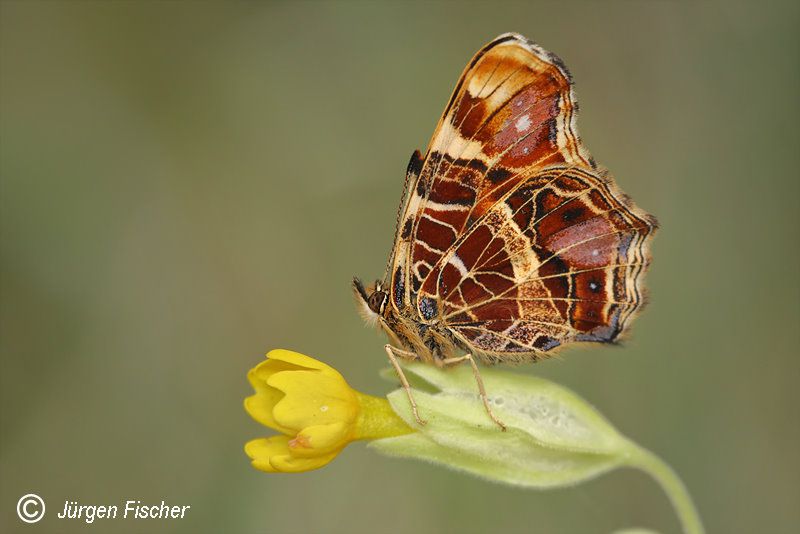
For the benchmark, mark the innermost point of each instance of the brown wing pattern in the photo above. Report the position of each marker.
(503, 210)
(557, 260)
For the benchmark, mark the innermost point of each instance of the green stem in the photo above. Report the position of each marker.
(672, 486)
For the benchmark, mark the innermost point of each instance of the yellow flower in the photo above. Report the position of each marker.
(314, 409)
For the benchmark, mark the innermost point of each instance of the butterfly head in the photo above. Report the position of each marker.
(372, 299)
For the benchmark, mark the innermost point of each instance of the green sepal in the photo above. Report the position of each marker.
(554, 438)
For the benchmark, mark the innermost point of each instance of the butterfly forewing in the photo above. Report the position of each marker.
(510, 238)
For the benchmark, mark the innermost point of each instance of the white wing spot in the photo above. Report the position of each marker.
(436, 206)
(458, 264)
(523, 123)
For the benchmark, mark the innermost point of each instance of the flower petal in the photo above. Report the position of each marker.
(261, 450)
(260, 407)
(321, 439)
(259, 374)
(312, 399)
(292, 464)
(301, 360)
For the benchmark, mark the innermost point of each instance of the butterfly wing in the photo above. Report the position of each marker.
(512, 111)
(557, 260)
(506, 149)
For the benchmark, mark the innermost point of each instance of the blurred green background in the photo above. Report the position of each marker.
(187, 185)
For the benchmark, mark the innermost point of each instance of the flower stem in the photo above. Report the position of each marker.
(672, 486)
(376, 419)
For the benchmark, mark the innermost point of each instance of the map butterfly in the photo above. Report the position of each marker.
(510, 242)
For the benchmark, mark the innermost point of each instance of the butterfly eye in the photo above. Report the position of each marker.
(377, 301)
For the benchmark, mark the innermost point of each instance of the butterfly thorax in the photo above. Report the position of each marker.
(429, 340)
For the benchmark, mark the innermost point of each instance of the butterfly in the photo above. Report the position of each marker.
(510, 242)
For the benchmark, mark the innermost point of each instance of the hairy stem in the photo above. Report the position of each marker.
(672, 486)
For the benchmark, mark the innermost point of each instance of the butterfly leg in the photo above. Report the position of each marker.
(391, 351)
(481, 387)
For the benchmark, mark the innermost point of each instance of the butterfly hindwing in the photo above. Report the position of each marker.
(557, 260)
